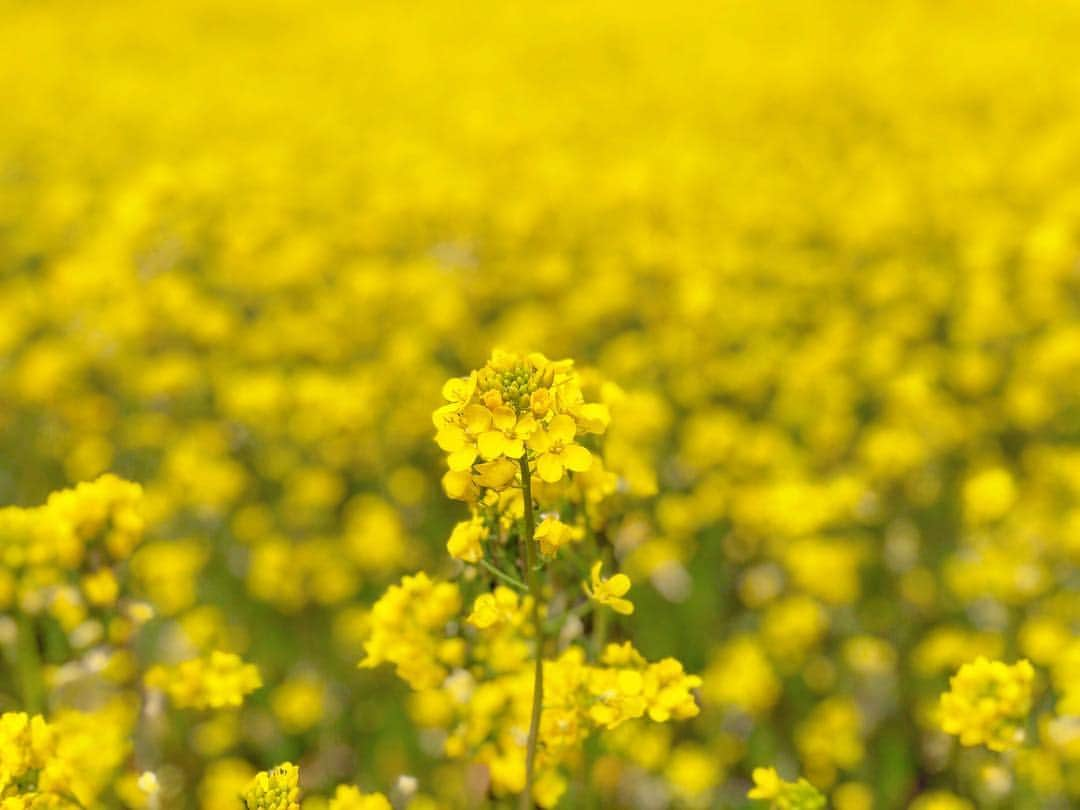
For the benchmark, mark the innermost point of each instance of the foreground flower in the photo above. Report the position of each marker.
(988, 702)
(516, 406)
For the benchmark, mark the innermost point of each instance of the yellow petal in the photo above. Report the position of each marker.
(456, 389)
(618, 584)
(594, 573)
(550, 467)
(491, 444)
(462, 459)
(562, 429)
(504, 417)
(496, 474)
(594, 417)
(450, 438)
(514, 448)
(576, 458)
(540, 441)
(457, 485)
(526, 426)
(623, 606)
(477, 418)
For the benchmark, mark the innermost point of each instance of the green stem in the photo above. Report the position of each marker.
(505, 577)
(29, 666)
(525, 801)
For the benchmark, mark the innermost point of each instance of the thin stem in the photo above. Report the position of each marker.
(525, 801)
(29, 666)
(505, 577)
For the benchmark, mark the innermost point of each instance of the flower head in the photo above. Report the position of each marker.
(518, 406)
(609, 591)
(276, 789)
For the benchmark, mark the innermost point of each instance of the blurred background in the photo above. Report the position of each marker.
(828, 250)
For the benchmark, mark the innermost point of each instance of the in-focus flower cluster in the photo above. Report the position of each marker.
(510, 430)
(516, 401)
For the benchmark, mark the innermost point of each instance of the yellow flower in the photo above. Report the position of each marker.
(555, 449)
(799, 795)
(408, 630)
(987, 703)
(220, 680)
(490, 609)
(497, 474)
(276, 789)
(609, 591)
(766, 784)
(507, 434)
(552, 534)
(464, 543)
(459, 485)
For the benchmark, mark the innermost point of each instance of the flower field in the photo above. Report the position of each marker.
(568, 405)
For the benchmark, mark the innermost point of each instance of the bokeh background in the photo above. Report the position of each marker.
(829, 251)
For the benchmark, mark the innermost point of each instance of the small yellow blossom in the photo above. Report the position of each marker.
(556, 451)
(465, 540)
(609, 591)
(552, 534)
(490, 609)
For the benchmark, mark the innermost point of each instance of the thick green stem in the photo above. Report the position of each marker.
(28, 662)
(534, 589)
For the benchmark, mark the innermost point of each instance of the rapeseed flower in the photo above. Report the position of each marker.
(988, 703)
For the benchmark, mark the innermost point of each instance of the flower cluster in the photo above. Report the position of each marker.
(219, 680)
(64, 558)
(799, 795)
(988, 703)
(69, 760)
(516, 401)
(276, 789)
(407, 630)
(500, 699)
